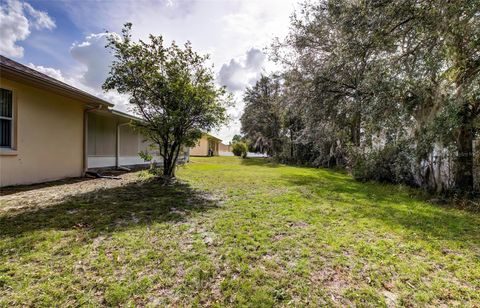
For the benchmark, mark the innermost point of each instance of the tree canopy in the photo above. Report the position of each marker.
(392, 85)
(170, 88)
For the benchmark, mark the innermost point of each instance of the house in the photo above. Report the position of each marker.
(50, 130)
(207, 145)
(224, 148)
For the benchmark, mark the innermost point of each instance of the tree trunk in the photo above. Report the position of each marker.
(355, 129)
(167, 163)
(175, 158)
(465, 135)
(464, 161)
(170, 161)
(166, 166)
(291, 145)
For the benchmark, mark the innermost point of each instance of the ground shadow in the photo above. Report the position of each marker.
(10, 190)
(111, 209)
(393, 206)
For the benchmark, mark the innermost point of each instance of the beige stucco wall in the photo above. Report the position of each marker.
(201, 149)
(49, 137)
(224, 147)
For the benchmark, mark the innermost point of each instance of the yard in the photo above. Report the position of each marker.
(234, 232)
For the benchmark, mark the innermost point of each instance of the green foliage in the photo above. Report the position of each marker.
(153, 169)
(170, 88)
(145, 156)
(392, 163)
(354, 70)
(261, 119)
(240, 149)
(238, 138)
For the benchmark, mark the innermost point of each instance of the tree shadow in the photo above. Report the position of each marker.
(393, 205)
(10, 190)
(110, 209)
(260, 161)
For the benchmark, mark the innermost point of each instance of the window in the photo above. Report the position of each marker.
(6, 118)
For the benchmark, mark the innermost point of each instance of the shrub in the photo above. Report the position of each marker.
(392, 163)
(149, 158)
(240, 149)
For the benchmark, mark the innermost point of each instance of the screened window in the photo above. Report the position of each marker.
(6, 118)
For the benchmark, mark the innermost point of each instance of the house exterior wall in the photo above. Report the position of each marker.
(206, 142)
(48, 138)
(201, 149)
(224, 147)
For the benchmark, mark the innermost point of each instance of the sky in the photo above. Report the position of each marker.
(66, 39)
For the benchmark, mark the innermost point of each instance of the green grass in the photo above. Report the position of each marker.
(241, 233)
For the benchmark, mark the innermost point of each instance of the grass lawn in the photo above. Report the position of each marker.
(239, 232)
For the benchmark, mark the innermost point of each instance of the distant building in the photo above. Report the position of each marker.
(224, 147)
(207, 145)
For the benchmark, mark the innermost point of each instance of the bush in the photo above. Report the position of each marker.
(240, 149)
(392, 163)
(149, 158)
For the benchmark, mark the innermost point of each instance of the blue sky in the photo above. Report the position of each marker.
(66, 39)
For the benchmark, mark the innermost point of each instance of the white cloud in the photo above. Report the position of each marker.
(40, 20)
(54, 73)
(227, 132)
(240, 73)
(236, 75)
(13, 28)
(94, 58)
(223, 28)
(16, 20)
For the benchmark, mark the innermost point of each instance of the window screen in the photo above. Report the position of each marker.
(6, 119)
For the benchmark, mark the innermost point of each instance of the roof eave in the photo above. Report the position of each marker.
(125, 115)
(45, 84)
(213, 137)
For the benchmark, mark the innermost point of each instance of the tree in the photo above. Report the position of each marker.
(436, 61)
(170, 88)
(237, 138)
(261, 120)
(395, 77)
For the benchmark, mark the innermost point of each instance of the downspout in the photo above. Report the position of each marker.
(117, 151)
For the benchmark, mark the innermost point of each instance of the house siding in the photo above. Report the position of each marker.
(201, 149)
(202, 146)
(49, 137)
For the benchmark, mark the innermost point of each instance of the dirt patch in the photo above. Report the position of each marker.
(40, 195)
(298, 224)
(335, 281)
